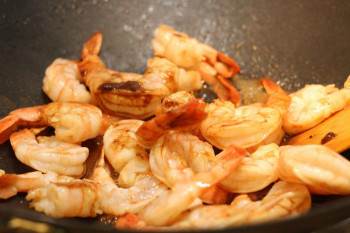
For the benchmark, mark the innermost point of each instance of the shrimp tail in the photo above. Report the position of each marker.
(226, 91)
(277, 96)
(93, 45)
(30, 116)
(188, 115)
(7, 187)
(7, 127)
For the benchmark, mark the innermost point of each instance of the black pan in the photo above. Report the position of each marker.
(294, 42)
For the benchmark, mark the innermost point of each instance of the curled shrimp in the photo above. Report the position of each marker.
(283, 200)
(135, 98)
(116, 200)
(73, 122)
(63, 82)
(47, 154)
(177, 155)
(170, 204)
(190, 54)
(254, 172)
(184, 117)
(321, 169)
(247, 126)
(313, 104)
(122, 149)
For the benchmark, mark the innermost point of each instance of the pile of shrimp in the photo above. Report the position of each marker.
(169, 160)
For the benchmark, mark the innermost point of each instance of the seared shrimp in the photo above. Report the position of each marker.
(246, 126)
(283, 200)
(174, 101)
(254, 172)
(169, 205)
(122, 149)
(48, 154)
(184, 117)
(313, 104)
(73, 122)
(63, 82)
(132, 98)
(321, 169)
(177, 155)
(190, 54)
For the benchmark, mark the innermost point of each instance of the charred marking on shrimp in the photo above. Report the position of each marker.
(128, 85)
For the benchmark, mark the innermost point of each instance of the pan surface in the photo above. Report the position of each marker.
(293, 42)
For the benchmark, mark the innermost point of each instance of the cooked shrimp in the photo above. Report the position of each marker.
(177, 155)
(169, 205)
(63, 82)
(132, 98)
(184, 117)
(321, 169)
(48, 154)
(254, 172)
(71, 198)
(73, 122)
(118, 201)
(313, 104)
(190, 54)
(283, 200)
(247, 126)
(122, 147)
(11, 184)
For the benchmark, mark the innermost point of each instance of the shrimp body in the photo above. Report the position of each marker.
(283, 200)
(49, 154)
(62, 82)
(254, 172)
(192, 55)
(134, 98)
(170, 204)
(321, 169)
(247, 126)
(73, 122)
(313, 104)
(189, 53)
(122, 147)
(177, 155)
(71, 198)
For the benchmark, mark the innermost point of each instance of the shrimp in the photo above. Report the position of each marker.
(71, 198)
(133, 98)
(170, 204)
(122, 147)
(313, 104)
(283, 200)
(322, 170)
(73, 122)
(254, 172)
(247, 126)
(11, 184)
(190, 54)
(116, 200)
(47, 154)
(62, 82)
(187, 116)
(177, 155)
